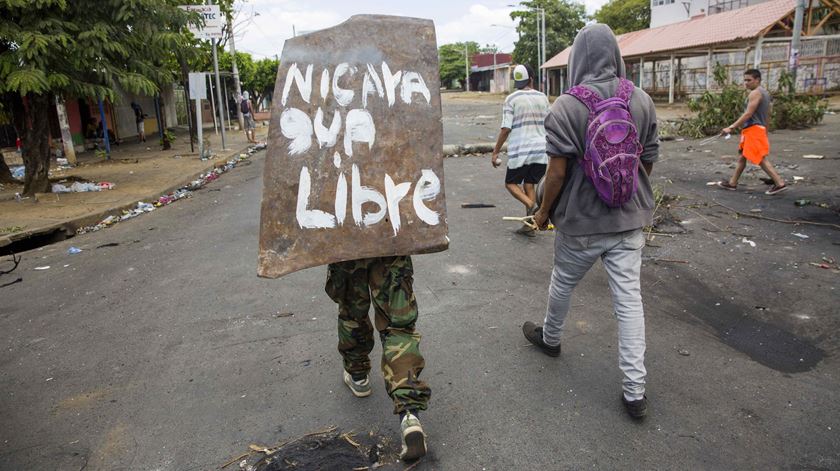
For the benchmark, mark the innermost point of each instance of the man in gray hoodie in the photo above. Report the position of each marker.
(588, 229)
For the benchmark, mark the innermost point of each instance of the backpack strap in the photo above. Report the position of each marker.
(625, 90)
(588, 97)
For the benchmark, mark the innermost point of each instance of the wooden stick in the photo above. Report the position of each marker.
(784, 221)
(668, 260)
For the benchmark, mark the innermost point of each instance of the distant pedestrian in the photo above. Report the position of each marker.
(599, 198)
(523, 115)
(247, 109)
(140, 120)
(754, 146)
(387, 283)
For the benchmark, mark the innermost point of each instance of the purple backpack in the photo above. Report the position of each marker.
(611, 158)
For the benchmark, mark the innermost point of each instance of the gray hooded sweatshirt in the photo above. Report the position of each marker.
(595, 62)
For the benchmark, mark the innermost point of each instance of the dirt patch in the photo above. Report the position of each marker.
(325, 449)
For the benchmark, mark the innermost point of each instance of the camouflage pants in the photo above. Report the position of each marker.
(386, 281)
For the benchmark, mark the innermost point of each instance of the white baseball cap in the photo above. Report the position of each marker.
(521, 76)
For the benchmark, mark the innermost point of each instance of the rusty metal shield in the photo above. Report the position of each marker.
(354, 165)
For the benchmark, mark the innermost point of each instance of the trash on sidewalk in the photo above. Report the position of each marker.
(800, 235)
(46, 267)
(73, 250)
(18, 172)
(163, 200)
(813, 156)
(802, 202)
(797, 179)
(747, 241)
(82, 187)
(477, 205)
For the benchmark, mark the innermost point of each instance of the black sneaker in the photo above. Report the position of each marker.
(636, 409)
(534, 335)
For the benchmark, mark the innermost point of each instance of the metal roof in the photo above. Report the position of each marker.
(702, 31)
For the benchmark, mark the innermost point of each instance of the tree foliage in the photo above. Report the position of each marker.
(452, 60)
(625, 16)
(81, 48)
(563, 19)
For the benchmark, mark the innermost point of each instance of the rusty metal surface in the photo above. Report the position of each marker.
(370, 69)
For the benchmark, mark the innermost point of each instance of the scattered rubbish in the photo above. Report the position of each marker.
(11, 229)
(813, 156)
(783, 221)
(81, 187)
(74, 250)
(747, 241)
(820, 265)
(711, 183)
(755, 210)
(684, 352)
(668, 260)
(18, 172)
(824, 205)
(61, 161)
(761, 308)
(45, 267)
(797, 179)
(477, 205)
(284, 314)
(183, 192)
(800, 235)
(802, 202)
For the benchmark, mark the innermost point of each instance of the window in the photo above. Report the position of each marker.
(655, 3)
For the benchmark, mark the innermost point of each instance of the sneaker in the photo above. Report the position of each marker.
(636, 409)
(727, 186)
(413, 438)
(359, 387)
(775, 189)
(527, 231)
(534, 335)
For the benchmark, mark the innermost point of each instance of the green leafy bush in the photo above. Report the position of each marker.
(715, 110)
(791, 111)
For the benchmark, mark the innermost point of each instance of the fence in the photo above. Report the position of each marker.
(818, 73)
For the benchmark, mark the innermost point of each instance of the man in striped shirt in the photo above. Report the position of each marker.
(523, 116)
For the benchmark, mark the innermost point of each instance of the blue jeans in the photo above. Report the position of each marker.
(621, 254)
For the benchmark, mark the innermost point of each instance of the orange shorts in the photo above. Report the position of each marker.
(754, 143)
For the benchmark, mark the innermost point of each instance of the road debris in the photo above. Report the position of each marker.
(747, 241)
(813, 156)
(799, 234)
(82, 187)
(477, 205)
(73, 250)
(181, 193)
(45, 267)
(802, 202)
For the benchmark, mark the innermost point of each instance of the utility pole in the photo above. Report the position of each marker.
(235, 70)
(794, 45)
(218, 88)
(467, 65)
(542, 61)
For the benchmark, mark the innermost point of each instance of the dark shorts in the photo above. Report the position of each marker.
(530, 173)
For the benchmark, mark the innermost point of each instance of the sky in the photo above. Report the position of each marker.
(263, 25)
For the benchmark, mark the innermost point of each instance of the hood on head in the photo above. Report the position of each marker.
(595, 56)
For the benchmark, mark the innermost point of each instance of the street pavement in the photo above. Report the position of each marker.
(167, 352)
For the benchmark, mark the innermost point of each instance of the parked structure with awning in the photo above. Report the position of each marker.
(756, 36)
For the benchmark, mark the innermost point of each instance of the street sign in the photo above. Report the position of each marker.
(198, 86)
(354, 165)
(212, 28)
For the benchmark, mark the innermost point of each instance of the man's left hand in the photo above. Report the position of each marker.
(727, 130)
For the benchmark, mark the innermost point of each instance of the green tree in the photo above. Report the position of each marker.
(261, 82)
(81, 48)
(563, 19)
(625, 16)
(453, 62)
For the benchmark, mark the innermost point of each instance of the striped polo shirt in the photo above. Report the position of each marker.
(524, 114)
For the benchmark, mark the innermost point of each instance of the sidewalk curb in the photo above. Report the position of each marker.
(69, 227)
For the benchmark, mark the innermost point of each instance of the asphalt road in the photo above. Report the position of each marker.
(167, 352)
